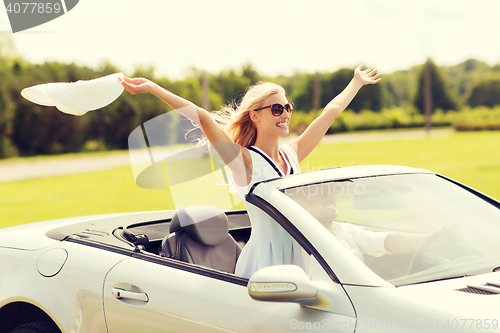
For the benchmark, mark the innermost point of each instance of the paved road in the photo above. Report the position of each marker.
(11, 171)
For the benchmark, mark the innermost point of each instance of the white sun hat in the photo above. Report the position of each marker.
(77, 98)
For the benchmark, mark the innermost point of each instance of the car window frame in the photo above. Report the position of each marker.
(292, 231)
(164, 261)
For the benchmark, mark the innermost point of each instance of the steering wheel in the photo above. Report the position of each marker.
(447, 233)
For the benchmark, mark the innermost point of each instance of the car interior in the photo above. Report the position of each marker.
(200, 235)
(209, 237)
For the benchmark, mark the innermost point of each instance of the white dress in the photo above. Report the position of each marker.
(269, 243)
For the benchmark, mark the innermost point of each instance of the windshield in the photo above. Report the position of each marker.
(408, 228)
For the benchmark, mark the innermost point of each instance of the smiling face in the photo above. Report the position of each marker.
(266, 123)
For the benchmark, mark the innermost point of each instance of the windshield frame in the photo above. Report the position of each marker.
(266, 194)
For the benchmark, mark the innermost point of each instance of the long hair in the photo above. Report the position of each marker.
(235, 119)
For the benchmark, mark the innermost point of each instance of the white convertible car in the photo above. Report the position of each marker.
(169, 271)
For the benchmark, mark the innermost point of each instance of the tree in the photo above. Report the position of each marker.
(461, 77)
(486, 91)
(301, 91)
(367, 98)
(38, 129)
(7, 107)
(231, 86)
(441, 96)
(249, 72)
(332, 84)
(398, 88)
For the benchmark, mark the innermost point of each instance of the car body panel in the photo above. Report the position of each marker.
(59, 229)
(340, 173)
(179, 299)
(439, 306)
(82, 277)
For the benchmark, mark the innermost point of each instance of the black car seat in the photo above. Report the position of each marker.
(199, 235)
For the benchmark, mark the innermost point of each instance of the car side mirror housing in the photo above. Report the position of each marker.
(288, 283)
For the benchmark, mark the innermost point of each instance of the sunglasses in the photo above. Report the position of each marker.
(277, 109)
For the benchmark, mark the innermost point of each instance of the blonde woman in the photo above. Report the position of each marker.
(247, 139)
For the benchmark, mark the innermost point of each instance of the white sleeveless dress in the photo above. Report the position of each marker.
(269, 243)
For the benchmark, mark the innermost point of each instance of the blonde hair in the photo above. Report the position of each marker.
(235, 119)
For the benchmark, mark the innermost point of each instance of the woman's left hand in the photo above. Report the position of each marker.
(367, 76)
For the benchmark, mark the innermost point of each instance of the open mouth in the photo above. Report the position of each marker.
(283, 124)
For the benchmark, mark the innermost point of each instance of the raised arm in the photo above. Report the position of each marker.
(308, 140)
(231, 153)
(200, 116)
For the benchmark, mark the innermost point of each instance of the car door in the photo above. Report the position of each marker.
(147, 293)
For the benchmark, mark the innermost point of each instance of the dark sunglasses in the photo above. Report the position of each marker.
(277, 109)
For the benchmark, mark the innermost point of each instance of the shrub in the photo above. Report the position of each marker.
(396, 117)
(480, 118)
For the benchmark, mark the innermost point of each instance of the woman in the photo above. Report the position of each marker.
(251, 133)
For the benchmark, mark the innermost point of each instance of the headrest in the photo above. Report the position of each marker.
(207, 225)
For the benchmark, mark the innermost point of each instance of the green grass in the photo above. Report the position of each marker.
(90, 193)
(470, 157)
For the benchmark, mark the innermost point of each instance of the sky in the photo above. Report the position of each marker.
(275, 36)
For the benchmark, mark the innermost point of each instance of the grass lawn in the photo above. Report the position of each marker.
(470, 157)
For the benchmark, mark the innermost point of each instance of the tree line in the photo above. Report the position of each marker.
(29, 129)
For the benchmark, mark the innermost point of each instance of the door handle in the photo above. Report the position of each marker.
(138, 296)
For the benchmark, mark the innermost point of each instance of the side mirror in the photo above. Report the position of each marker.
(288, 283)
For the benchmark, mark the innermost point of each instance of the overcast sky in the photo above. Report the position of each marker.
(276, 36)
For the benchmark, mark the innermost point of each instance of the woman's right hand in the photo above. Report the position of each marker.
(137, 85)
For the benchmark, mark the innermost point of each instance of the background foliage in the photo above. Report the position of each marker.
(466, 96)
